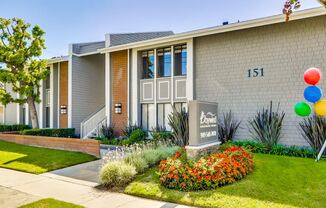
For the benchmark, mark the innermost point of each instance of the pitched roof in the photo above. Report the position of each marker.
(85, 48)
(309, 13)
(116, 39)
(125, 38)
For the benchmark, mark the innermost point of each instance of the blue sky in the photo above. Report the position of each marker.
(71, 21)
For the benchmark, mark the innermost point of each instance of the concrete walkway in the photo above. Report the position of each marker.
(17, 188)
(86, 171)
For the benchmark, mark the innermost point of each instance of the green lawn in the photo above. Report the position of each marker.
(50, 203)
(277, 181)
(38, 160)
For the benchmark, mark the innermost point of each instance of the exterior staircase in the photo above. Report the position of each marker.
(91, 126)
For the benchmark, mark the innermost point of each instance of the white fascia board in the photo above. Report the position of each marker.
(221, 29)
(56, 60)
(86, 54)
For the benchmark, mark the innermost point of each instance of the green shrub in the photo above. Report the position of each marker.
(64, 132)
(160, 134)
(137, 136)
(129, 129)
(165, 152)
(137, 161)
(278, 149)
(117, 174)
(179, 122)
(266, 126)
(313, 129)
(14, 127)
(227, 127)
(255, 147)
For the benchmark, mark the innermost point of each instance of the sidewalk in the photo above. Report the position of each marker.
(17, 188)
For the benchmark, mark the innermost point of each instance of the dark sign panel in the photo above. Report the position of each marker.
(202, 123)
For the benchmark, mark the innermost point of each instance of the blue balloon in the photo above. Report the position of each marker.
(312, 94)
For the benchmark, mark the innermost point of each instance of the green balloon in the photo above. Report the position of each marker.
(302, 109)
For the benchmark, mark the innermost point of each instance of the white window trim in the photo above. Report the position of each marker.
(40, 120)
(108, 87)
(70, 87)
(51, 95)
(59, 94)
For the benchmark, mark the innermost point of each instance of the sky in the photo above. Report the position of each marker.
(73, 21)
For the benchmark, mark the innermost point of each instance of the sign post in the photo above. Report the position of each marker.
(203, 128)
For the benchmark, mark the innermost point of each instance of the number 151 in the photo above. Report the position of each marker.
(256, 72)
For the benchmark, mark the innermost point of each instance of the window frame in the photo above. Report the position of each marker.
(158, 68)
(142, 63)
(182, 47)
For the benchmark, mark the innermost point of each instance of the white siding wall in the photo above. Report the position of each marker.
(11, 110)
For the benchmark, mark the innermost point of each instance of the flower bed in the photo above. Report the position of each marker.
(124, 163)
(208, 172)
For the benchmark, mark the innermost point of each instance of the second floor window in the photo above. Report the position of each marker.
(164, 62)
(180, 60)
(148, 64)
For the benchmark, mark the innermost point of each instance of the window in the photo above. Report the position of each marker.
(47, 117)
(179, 106)
(23, 115)
(147, 116)
(47, 81)
(164, 62)
(163, 112)
(180, 60)
(47, 91)
(148, 64)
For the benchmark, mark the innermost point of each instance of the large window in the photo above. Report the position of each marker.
(148, 64)
(164, 62)
(181, 106)
(180, 60)
(163, 112)
(147, 116)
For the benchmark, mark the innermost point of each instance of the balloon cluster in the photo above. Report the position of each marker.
(312, 94)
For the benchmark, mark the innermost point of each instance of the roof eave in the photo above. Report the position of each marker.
(220, 29)
(56, 60)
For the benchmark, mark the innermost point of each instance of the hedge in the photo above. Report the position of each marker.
(63, 132)
(14, 127)
(278, 149)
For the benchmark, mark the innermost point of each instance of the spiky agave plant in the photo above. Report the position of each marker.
(227, 127)
(178, 120)
(313, 130)
(266, 126)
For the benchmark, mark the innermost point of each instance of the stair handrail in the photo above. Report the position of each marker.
(89, 118)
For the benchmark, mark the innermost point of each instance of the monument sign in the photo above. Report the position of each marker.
(203, 128)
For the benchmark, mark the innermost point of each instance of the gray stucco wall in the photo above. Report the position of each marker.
(284, 50)
(88, 87)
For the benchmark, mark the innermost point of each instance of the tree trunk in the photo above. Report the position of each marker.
(33, 112)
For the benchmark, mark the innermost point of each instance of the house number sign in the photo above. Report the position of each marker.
(257, 72)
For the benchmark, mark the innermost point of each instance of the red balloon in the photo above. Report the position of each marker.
(312, 76)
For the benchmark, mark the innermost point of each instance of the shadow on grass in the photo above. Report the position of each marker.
(38, 160)
(276, 181)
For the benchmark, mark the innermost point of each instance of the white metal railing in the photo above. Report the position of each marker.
(92, 123)
(321, 152)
